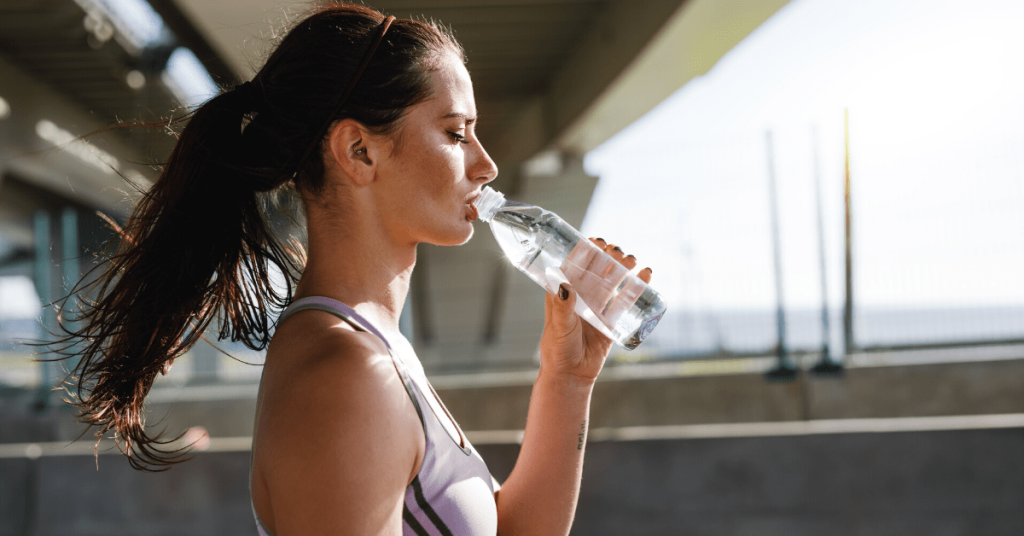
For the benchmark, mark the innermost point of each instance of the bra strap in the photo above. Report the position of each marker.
(349, 315)
(335, 307)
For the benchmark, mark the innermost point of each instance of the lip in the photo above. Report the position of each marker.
(471, 203)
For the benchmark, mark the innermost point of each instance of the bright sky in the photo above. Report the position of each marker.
(18, 298)
(934, 90)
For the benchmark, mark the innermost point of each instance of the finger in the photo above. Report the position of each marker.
(629, 262)
(562, 308)
(599, 242)
(645, 275)
(615, 252)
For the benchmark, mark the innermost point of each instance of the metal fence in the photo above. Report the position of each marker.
(756, 242)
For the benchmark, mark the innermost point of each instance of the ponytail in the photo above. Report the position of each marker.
(198, 247)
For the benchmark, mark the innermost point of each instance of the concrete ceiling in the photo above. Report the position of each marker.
(47, 40)
(517, 49)
(547, 73)
(565, 74)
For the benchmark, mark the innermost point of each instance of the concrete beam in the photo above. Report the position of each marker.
(240, 36)
(633, 58)
(695, 37)
(603, 57)
(24, 152)
(600, 57)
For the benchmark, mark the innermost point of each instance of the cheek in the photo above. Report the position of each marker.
(457, 163)
(448, 168)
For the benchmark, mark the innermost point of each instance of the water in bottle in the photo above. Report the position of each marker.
(550, 251)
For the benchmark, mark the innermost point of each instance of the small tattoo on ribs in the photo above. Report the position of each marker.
(581, 436)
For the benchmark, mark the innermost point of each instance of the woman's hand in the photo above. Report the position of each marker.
(571, 345)
(540, 495)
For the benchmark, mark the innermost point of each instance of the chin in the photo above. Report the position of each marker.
(456, 237)
(466, 235)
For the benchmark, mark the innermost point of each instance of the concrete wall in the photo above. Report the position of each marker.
(71, 496)
(923, 483)
(906, 483)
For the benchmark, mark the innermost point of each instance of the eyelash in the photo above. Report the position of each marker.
(458, 137)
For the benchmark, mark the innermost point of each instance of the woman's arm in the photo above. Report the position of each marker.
(540, 495)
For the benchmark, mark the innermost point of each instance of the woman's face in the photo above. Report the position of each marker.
(437, 166)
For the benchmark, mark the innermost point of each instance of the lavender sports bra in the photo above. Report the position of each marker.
(453, 493)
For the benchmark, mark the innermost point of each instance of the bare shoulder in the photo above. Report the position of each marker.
(338, 438)
(317, 358)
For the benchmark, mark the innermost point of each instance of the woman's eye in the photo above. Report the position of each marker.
(458, 137)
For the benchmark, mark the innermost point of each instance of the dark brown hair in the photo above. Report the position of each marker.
(199, 246)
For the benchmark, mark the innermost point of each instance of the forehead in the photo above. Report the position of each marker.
(452, 87)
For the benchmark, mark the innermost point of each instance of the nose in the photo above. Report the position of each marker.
(481, 167)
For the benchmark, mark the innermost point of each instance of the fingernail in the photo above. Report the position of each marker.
(630, 256)
(601, 239)
(617, 248)
(563, 293)
(650, 270)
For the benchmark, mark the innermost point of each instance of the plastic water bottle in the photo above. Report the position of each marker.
(550, 251)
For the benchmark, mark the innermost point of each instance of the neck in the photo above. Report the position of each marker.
(358, 264)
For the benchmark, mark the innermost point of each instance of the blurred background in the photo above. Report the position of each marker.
(829, 193)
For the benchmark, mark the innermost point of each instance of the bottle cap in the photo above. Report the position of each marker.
(488, 203)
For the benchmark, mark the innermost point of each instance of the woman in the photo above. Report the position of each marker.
(371, 121)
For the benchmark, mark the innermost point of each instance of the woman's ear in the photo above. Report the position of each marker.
(350, 149)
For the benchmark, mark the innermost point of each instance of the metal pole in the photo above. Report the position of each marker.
(69, 267)
(848, 344)
(784, 369)
(825, 365)
(42, 268)
(69, 246)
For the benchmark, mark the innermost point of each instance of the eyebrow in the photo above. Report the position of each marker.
(460, 115)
